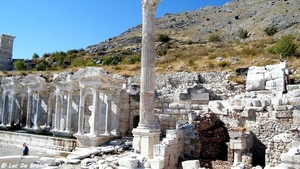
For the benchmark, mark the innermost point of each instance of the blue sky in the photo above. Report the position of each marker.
(46, 26)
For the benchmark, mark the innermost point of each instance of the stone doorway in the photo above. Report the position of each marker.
(136, 120)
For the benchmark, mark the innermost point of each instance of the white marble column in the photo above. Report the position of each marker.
(146, 135)
(81, 111)
(12, 109)
(57, 110)
(69, 111)
(148, 65)
(37, 119)
(4, 108)
(95, 113)
(50, 109)
(63, 110)
(108, 115)
(29, 109)
(115, 107)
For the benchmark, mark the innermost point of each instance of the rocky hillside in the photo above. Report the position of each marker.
(253, 16)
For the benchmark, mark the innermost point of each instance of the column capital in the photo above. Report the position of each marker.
(150, 5)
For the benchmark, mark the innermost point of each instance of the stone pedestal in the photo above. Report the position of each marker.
(144, 141)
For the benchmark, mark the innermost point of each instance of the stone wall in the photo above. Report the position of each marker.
(6, 47)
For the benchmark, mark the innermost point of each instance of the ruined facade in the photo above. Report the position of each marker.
(6, 50)
(201, 117)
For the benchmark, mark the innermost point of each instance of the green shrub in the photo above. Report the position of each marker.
(42, 65)
(132, 59)
(285, 46)
(163, 38)
(189, 42)
(20, 65)
(243, 34)
(162, 50)
(214, 38)
(112, 60)
(77, 63)
(223, 64)
(270, 31)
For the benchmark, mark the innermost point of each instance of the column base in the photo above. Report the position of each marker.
(87, 140)
(144, 140)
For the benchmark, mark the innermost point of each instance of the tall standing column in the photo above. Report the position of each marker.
(81, 111)
(29, 109)
(145, 135)
(69, 111)
(57, 111)
(12, 109)
(4, 108)
(108, 115)
(148, 65)
(95, 115)
(37, 120)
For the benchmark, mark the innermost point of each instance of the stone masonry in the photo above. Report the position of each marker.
(6, 50)
(192, 110)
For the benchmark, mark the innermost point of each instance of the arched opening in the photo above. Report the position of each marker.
(136, 120)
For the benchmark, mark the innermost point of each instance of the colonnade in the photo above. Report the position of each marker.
(60, 107)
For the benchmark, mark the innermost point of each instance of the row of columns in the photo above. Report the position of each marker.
(8, 115)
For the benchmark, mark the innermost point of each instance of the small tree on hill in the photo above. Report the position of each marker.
(285, 46)
(243, 34)
(163, 38)
(270, 31)
(20, 65)
(35, 56)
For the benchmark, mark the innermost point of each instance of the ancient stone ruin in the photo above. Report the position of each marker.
(6, 48)
(201, 120)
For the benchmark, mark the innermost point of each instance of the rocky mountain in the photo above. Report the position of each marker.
(254, 16)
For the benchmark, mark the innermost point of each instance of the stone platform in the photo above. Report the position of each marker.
(37, 141)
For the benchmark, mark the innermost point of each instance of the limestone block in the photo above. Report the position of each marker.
(156, 150)
(296, 113)
(256, 103)
(164, 117)
(168, 111)
(183, 111)
(173, 149)
(128, 162)
(237, 133)
(265, 102)
(195, 106)
(157, 163)
(191, 164)
(237, 144)
(255, 82)
(200, 96)
(296, 93)
(237, 108)
(284, 137)
(173, 161)
(173, 105)
(294, 101)
(234, 102)
(171, 134)
(280, 108)
(170, 141)
(283, 114)
(183, 96)
(124, 106)
(276, 102)
(276, 84)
